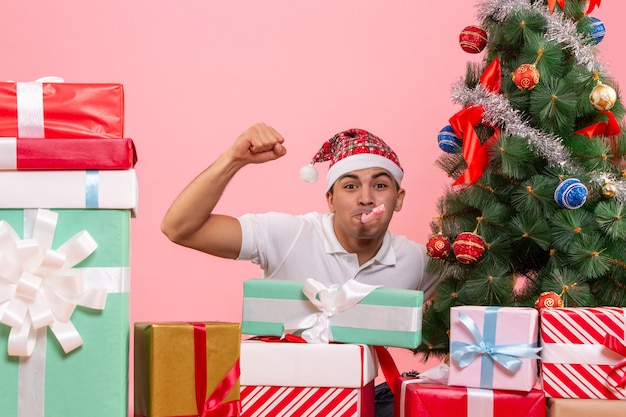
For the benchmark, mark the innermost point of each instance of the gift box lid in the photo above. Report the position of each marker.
(307, 365)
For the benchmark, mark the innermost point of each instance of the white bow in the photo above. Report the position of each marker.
(39, 287)
(329, 301)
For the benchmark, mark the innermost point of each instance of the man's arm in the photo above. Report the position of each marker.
(190, 220)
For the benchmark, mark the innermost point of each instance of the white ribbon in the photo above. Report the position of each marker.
(329, 301)
(479, 402)
(39, 287)
(29, 96)
(579, 354)
(8, 153)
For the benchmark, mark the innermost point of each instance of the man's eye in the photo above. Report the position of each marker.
(349, 186)
(380, 185)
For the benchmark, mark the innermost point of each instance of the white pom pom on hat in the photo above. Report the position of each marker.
(352, 150)
(308, 173)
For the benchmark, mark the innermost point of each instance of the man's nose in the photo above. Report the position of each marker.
(366, 198)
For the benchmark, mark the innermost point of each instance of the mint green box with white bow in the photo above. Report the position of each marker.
(352, 313)
(91, 378)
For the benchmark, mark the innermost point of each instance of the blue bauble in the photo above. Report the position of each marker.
(448, 141)
(596, 30)
(571, 194)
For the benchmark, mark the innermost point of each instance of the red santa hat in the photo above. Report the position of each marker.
(352, 150)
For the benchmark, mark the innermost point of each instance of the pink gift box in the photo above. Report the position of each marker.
(417, 399)
(316, 380)
(584, 352)
(493, 347)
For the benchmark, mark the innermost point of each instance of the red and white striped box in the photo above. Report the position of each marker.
(584, 352)
(316, 380)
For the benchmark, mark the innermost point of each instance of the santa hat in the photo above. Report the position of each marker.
(352, 150)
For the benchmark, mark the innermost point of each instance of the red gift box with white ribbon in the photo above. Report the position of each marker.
(584, 352)
(316, 380)
(51, 108)
(66, 154)
(414, 398)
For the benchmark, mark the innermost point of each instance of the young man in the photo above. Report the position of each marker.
(331, 248)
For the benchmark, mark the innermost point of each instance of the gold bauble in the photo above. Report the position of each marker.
(609, 190)
(603, 97)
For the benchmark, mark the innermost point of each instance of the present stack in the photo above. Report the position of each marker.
(69, 191)
(494, 358)
(340, 329)
(492, 371)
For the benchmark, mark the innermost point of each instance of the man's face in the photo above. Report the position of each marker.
(358, 192)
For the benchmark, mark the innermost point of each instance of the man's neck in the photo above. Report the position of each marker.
(364, 249)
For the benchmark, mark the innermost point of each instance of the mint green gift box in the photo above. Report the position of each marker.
(91, 380)
(385, 317)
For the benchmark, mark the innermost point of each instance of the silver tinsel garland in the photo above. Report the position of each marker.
(498, 110)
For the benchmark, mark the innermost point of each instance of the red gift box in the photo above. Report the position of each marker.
(66, 154)
(63, 110)
(584, 352)
(416, 399)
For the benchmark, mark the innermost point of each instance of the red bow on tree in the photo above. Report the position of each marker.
(608, 128)
(475, 153)
(552, 3)
(592, 5)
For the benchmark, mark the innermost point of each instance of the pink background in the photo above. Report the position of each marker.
(197, 73)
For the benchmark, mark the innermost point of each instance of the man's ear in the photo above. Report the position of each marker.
(329, 201)
(400, 199)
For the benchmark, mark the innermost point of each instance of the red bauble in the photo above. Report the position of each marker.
(468, 247)
(473, 39)
(438, 246)
(549, 299)
(525, 77)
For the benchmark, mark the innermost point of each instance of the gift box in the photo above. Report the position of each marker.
(71, 368)
(61, 154)
(61, 110)
(584, 352)
(187, 369)
(417, 399)
(104, 189)
(581, 407)
(296, 379)
(493, 347)
(352, 313)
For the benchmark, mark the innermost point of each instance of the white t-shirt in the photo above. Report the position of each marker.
(293, 247)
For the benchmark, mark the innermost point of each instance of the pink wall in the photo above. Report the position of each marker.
(197, 73)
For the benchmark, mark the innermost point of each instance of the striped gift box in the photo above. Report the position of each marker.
(581, 352)
(299, 401)
(298, 379)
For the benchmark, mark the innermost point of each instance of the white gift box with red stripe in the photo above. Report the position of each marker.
(584, 352)
(316, 380)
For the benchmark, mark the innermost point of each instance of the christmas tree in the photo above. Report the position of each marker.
(535, 215)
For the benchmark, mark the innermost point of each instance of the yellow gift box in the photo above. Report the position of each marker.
(187, 369)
